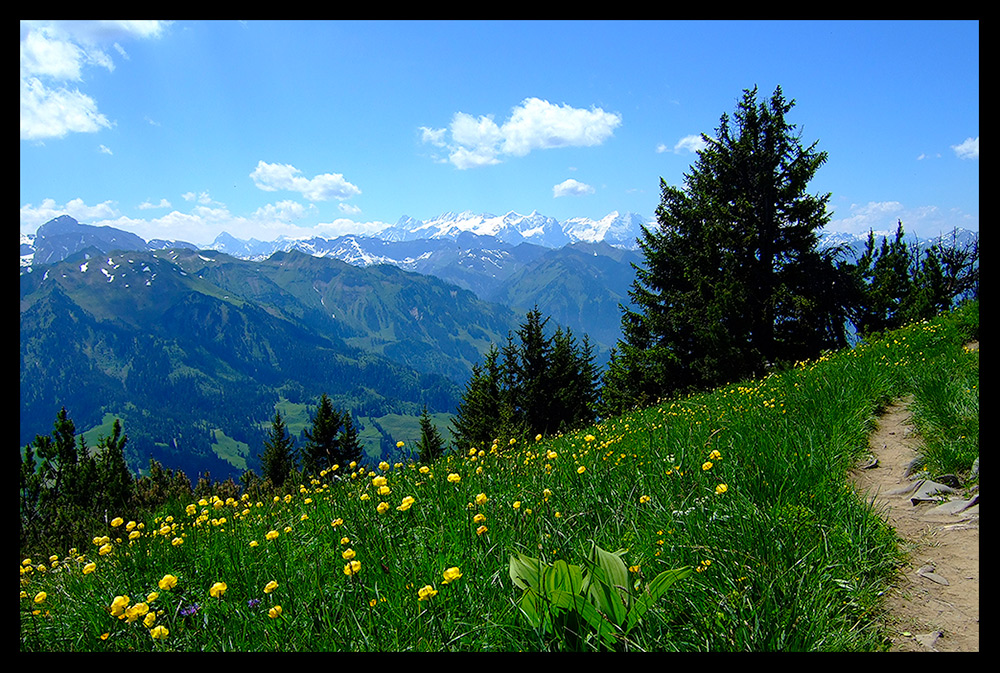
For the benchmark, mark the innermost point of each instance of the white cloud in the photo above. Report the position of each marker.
(882, 217)
(147, 205)
(968, 149)
(33, 216)
(534, 124)
(348, 209)
(274, 177)
(692, 143)
(202, 224)
(201, 197)
(104, 149)
(571, 187)
(283, 211)
(54, 113)
(54, 53)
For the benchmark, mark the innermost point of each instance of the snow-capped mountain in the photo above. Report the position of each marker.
(619, 230)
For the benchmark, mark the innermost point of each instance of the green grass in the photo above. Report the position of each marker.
(747, 484)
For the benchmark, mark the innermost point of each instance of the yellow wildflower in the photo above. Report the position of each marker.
(426, 593)
(270, 586)
(720, 489)
(118, 605)
(352, 568)
(274, 612)
(217, 590)
(406, 504)
(454, 478)
(159, 632)
(168, 582)
(451, 574)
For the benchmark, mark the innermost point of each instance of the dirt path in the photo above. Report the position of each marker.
(934, 605)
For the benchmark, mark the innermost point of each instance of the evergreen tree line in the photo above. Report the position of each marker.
(332, 439)
(536, 384)
(67, 491)
(733, 282)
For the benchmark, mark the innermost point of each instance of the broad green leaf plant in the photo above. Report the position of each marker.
(565, 600)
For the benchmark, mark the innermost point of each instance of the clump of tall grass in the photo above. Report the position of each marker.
(745, 485)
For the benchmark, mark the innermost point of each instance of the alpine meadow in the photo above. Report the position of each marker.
(471, 443)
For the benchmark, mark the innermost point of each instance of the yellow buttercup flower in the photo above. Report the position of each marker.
(348, 554)
(270, 586)
(454, 478)
(89, 568)
(168, 582)
(382, 508)
(352, 568)
(217, 590)
(406, 504)
(707, 465)
(118, 606)
(481, 499)
(720, 489)
(378, 481)
(481, 530)
(272, 535)
(426, 593)
(451, 574)
(117, 521)
(274, 612)
(40, 597)
(581, 469)
(159, 632)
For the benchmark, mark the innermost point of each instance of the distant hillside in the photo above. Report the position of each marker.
(185, 345)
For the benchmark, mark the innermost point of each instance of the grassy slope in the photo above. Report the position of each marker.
(746, 483)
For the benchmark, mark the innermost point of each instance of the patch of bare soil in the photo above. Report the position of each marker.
(934, 604)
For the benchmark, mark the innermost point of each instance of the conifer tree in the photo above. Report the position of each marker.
(117, 480)
(479, 411)
(536, 384)
(322, 448)
(431, 444)
(278, 459)
(350, 448)
(731, 272)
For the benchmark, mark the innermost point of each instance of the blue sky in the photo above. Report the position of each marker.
(181, 130)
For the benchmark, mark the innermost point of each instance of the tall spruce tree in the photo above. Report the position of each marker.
(732, 280)
(278, 459)
(431, 444)
(322, 447)
(537, 384)
(479, 411)
(350, 448)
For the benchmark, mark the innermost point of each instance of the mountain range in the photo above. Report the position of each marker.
(195, 348)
